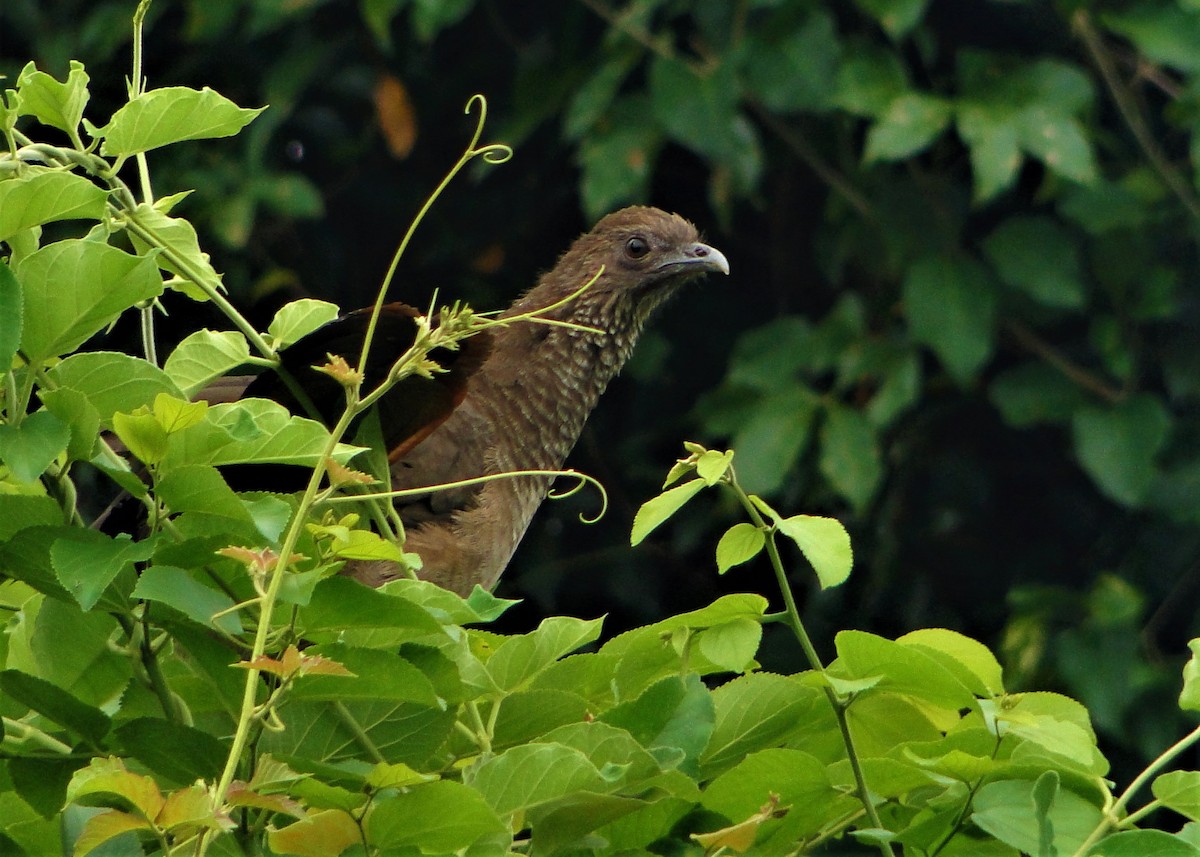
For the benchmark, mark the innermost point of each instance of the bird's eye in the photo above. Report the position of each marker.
(637, 247)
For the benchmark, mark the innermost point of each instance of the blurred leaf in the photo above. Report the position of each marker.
(772, 434)
(1036, 255)
(850, 457)
(909, 124)
(790, 66)
(1118, 445)
(897, 17)
(1165, 32)
(395, 114)
(591, 100)
(696, 109)
(616, 166)
(869, 78)
(950, 304)
(1035, 393)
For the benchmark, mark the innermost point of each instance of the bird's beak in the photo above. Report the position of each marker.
(696, 259)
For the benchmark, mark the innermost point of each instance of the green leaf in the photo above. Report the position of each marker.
(29, 447)
(142, 435)
(1189, 697)
(995, 146)
(712, 465)
(1006, 809)
(1060, 142)
(657, 510)
(1034, 393)
(11, 314)
(771, 436)
(1036, 255)
(42, 783)
(800, 781)
(897, 17)
(297, 319)
(377, 675)
(252, 431)
(1118, 445)
(531, 774)
(40, 196)
(731, 645)
(340, 603)
(59, 105)
(792, 67)
(969, 660)
(741, 543)
(518, 659)
(869, 78)
(442, 817)
(754, 712)
(1167, 33)
(19, 511)
(591, 99)
(951, 306)
(74, 289)
(57, 704)
(674, 715)
(181, 254)
(181, 753)
(172, 114)
(112, 381)
(204, 356)
(910, 123)
(326, 833)
(73, 408)
(616, 165)
(1143, 843)
(697, 110)
(187, 592)
(1180, 791)
(850, 458)
(904, 669)
(824, 543)
(87, 561)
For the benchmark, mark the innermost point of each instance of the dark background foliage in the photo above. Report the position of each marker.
(963, 310)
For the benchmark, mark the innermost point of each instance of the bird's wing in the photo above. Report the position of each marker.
(454, 451)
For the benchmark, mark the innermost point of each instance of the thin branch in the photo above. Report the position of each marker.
(1128, 108)
(803, 150)
(1033, 343)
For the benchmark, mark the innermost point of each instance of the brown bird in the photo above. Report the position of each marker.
(530, 389)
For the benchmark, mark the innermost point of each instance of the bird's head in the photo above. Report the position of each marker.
(645, 254)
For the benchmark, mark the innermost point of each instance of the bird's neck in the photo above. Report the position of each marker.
(551, 376)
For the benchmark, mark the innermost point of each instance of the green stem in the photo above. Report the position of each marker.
(810, 652)
(493, 154)
(16, 730)
(360, 734)
(262, 635)
(211, 290)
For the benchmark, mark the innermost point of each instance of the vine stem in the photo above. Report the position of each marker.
(794, 622)
(262, 635)
(495, 153)
(1111, 818)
